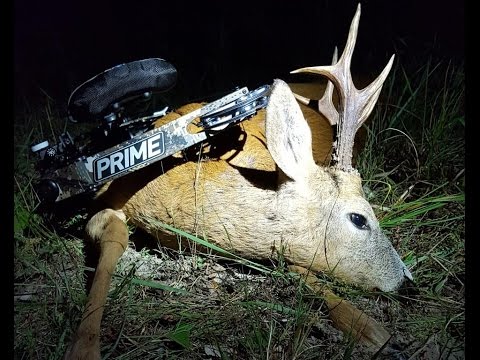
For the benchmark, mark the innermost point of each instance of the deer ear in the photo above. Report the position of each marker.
(289, 138)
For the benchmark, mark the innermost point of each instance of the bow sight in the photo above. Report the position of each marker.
(124, 141)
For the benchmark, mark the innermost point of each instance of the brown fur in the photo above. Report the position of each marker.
(164, 191)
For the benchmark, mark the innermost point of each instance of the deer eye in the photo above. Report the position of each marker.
(359, 221)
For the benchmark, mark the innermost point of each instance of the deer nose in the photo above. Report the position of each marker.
(408, 287)
(407, 274)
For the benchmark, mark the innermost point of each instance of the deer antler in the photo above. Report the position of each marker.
(354, 105)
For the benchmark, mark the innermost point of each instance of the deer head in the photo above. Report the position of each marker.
(343, 235)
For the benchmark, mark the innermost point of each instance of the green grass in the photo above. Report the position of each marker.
(213, 304)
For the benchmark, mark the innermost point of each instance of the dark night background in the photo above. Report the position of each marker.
(217, 45)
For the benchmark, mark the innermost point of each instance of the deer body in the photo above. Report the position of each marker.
(215, 198)
(261, 190)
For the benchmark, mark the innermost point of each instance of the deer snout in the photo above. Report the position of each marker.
(390, 273)
(407, 274)
(408, 286)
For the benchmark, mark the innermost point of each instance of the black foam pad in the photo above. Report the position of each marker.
(94, 96)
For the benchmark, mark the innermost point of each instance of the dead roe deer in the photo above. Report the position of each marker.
(271, 185)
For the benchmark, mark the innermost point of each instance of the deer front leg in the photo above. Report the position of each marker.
(108, 232)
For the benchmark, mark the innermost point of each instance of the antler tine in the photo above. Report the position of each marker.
(354, 105)
(372, 92)
(325, 104)
(304, 100)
